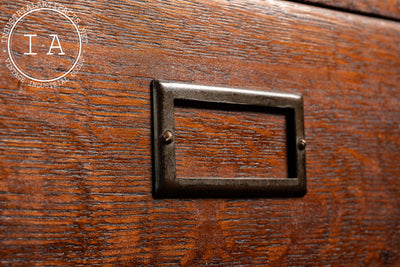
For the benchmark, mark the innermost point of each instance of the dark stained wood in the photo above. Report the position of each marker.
(227, 141)
(75, 170)
(387, 8)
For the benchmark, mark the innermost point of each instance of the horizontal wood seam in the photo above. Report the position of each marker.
(347, 10)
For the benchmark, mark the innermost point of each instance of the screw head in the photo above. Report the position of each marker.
(167, 137)
(302, 143)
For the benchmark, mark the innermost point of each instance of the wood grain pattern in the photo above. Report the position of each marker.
(388, 8)
(75, 161)
(228, 141)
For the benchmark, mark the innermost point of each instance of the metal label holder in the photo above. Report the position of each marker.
(165, 182)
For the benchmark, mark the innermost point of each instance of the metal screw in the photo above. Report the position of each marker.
(167, 137)
(302, 144)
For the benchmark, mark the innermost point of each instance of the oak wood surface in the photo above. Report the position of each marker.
(75, 160)
(226, 142)
(387, 9)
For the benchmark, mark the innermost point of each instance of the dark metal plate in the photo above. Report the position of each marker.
(165, 182)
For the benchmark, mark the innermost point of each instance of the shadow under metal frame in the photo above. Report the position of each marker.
(165, 182)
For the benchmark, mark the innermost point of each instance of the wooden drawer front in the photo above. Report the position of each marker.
(75, 160)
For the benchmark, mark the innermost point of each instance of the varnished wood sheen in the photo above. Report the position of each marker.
(75, 161)
(216, 142)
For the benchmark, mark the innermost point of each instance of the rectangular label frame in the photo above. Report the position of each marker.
(165, 182)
